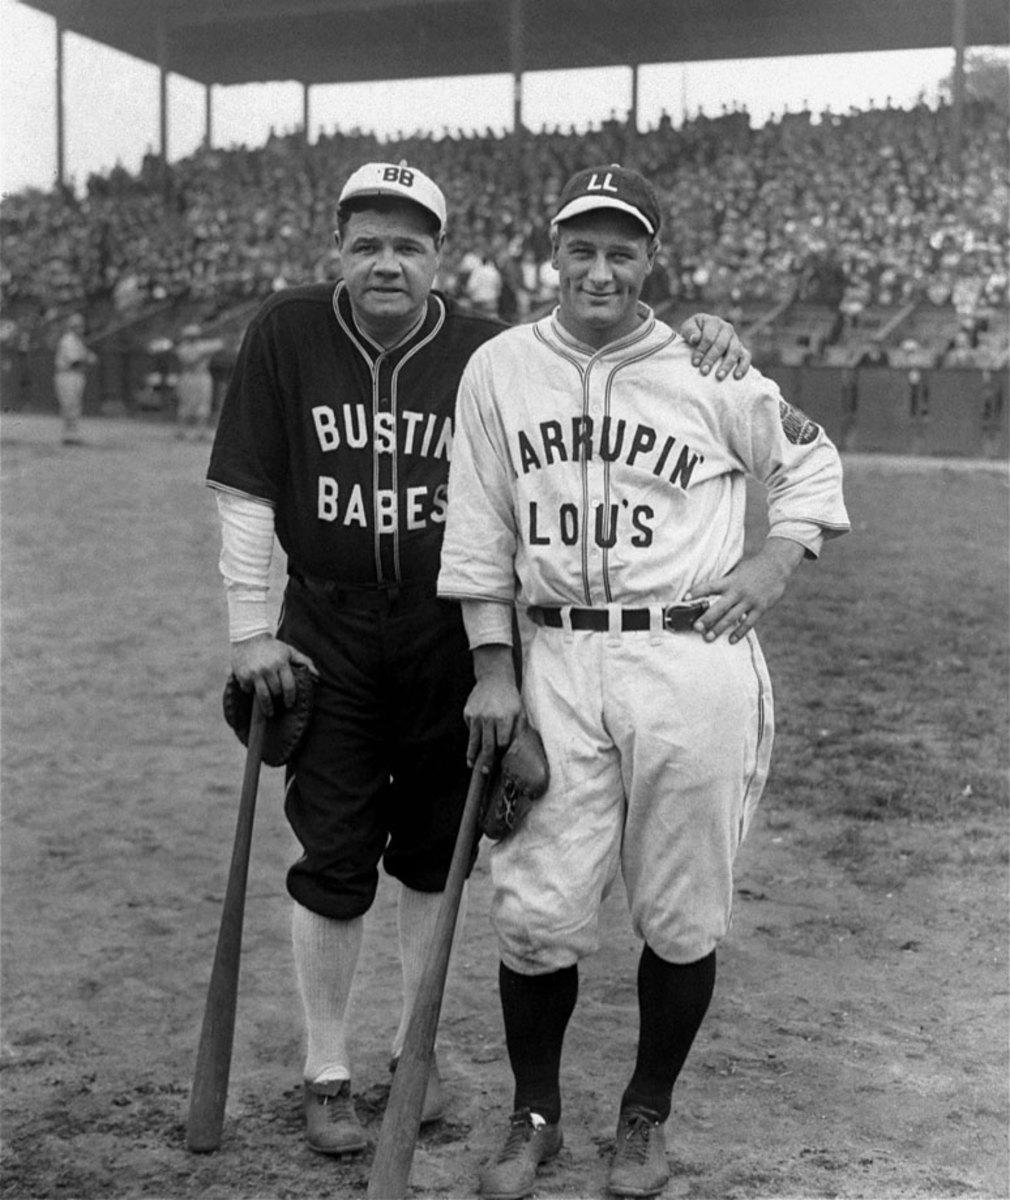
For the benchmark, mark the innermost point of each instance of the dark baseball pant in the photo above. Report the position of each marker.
(381, 775)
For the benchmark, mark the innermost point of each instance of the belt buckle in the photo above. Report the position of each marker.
(679, 618)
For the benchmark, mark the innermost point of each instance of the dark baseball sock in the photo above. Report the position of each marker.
(536, 1010)
(672, 1001)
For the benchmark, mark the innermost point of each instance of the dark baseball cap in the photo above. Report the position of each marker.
(610, 187)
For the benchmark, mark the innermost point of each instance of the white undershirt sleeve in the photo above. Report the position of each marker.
(247, 544)
(487, 622)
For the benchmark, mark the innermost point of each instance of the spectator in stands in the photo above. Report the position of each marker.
(875, 355)
(962, 352)
(656, 290)
(483, 286)
(506, 259)
(761, 211)
(548, 282)
(528, 282)
(910, 353)
(127, 295)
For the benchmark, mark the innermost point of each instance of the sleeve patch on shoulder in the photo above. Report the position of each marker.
(796, 425)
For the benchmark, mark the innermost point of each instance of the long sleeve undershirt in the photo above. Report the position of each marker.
(247, 543)
(487, 622)
(247, 538)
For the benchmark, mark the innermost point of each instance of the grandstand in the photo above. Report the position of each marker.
(843, 241)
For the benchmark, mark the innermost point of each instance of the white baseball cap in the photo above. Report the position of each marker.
(396, 179)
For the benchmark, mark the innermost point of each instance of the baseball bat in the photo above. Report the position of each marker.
(394, 1151)
(213, 1056)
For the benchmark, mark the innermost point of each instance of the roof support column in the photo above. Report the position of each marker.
(516, 38)
(61, 173)
(633, 110)
(305, 111)
(957, 125)
(208, 116)
(162, 44)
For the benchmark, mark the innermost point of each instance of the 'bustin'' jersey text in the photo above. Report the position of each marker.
(350, 443)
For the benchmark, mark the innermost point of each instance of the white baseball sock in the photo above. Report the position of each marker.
(326, 957)
(417, 915)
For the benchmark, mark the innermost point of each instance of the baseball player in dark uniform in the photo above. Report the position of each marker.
(601, 481)
(335, 435)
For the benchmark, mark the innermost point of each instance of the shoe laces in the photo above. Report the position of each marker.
(637, 1132)
(336, 1104)
(522, 1127)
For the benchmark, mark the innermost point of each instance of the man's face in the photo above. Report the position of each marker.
(602, 258)
(389, 260)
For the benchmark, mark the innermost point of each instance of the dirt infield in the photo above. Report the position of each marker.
(857, 1043)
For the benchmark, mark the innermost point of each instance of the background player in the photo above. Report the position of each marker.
(336, 433)
(194, 386)
(70, 375)
(593, 464)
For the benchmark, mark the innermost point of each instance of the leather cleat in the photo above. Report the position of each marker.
(433, 1108)
(639, 1166)
(331, 1124)
(530, 1141)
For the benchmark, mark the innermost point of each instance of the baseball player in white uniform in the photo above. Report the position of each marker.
(194, 386)
(599, 481)
(70, 376)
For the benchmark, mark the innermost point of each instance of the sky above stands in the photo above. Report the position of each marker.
(111, 100)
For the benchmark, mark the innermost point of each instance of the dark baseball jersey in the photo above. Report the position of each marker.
(348, 441)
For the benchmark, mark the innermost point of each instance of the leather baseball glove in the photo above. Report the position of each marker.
(285, 729)
(519, 777)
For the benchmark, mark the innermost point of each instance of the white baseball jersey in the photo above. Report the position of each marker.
(618, 476)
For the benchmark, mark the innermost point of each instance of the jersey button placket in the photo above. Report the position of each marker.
(585, 466)
(606, 502)
(385, 471)
(593, 490)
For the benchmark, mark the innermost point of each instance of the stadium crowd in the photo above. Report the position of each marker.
(853, 211)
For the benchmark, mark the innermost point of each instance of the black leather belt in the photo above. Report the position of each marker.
(675, 618)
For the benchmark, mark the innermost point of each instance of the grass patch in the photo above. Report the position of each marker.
(890, 655)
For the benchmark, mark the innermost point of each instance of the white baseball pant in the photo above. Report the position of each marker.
(659, 746)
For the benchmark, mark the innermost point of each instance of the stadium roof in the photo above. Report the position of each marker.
(342, 41)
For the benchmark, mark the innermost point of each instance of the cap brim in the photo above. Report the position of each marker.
(585, 204)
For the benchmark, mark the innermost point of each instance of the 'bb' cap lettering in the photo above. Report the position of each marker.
(610, 187)
(395, 179)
